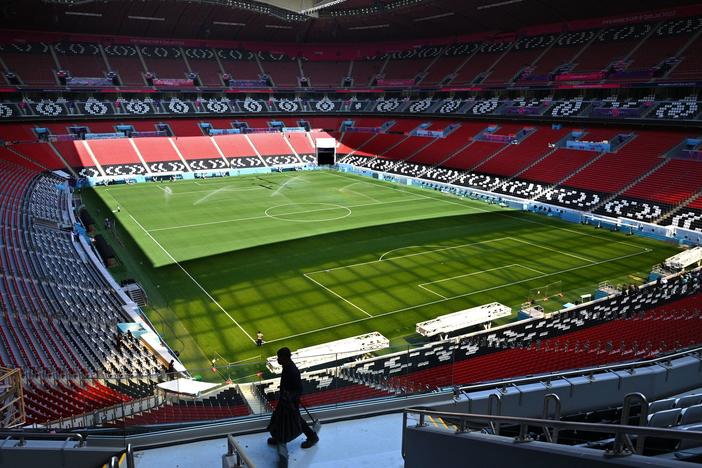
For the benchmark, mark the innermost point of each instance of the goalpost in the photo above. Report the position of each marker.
(546, 292)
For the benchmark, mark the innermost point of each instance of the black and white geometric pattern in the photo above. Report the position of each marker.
(491, 48)
(354, 160)
(534, 42)
(160, 52)
(422, 52)
(76, 48)
(567, 108)
(381, 165)
(217, 106)
(89, 172)
(308, 158)
(441, 174)
(627, 32)
(199, 53)
(282, 160)
(523, 106)
(325, 105)
(461, 49)
(176, 106)
(408, 169)
(420, 106)
(387, 105)
(94, 107)
(124, 169)
(286, 105)
(481, 181)
(6, 111)
(25, 48)
(679, 26)
(484, 107)
(688, 218)
(208, 164)
(356, 106)
(167, 166)
(634, 209)
(252, 105)
(575, 38)
(246, 162)
(235, 54)
(49, 108)
(522, 189)
(680, 109)
(613, 102)
(449, 106)
(120, 50)
(571, 198)
(137, 107)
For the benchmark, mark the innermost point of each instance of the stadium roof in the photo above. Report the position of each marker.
(307, 20)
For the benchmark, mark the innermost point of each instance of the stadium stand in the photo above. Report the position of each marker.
(124, 59)
(46, 327)
(326, 74)
(601, 116)
(32, 62)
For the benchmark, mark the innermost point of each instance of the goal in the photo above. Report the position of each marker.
(546, 292)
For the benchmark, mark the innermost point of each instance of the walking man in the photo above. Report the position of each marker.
(290, 392)
(259, 338)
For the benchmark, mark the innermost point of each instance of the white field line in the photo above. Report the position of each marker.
(555, 250)
(479, 272)
(283, 185)
(223, 189)
(346, 188)
(214, 301)
(443, 197)
(408, 255)
(509, 215)
(412, 192)
(337, 295)
(458, 296)
(433, 292)
(224, 221)
(209, 195)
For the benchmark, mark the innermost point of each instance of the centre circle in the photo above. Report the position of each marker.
(308, 212)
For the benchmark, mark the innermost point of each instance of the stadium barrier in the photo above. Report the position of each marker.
(640, 228)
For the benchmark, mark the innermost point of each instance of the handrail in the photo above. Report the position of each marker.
(629, 399)
(23, 436)
(75, 419)
(556, 415)
(578, 372)
(621, 431)
(130, 456)
(233, 448)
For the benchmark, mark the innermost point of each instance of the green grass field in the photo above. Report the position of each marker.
(310, 257)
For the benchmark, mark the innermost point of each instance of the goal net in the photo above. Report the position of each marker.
(546, 292)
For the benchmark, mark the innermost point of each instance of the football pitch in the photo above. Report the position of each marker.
(314, 256)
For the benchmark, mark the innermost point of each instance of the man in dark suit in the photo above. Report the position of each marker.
(290, 392)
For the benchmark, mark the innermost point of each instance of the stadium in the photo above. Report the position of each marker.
(476, 225)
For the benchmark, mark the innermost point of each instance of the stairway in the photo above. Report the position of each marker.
(631, 184)
(255, 401)
(680, 206)
(560, 182)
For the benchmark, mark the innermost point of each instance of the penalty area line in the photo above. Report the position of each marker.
(337, 295)
(214, 301)
(384, 314)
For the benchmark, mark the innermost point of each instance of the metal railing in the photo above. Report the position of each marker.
(115, 460)
(622, 444)
(234, 449)
(22, 437)
(588, 371)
